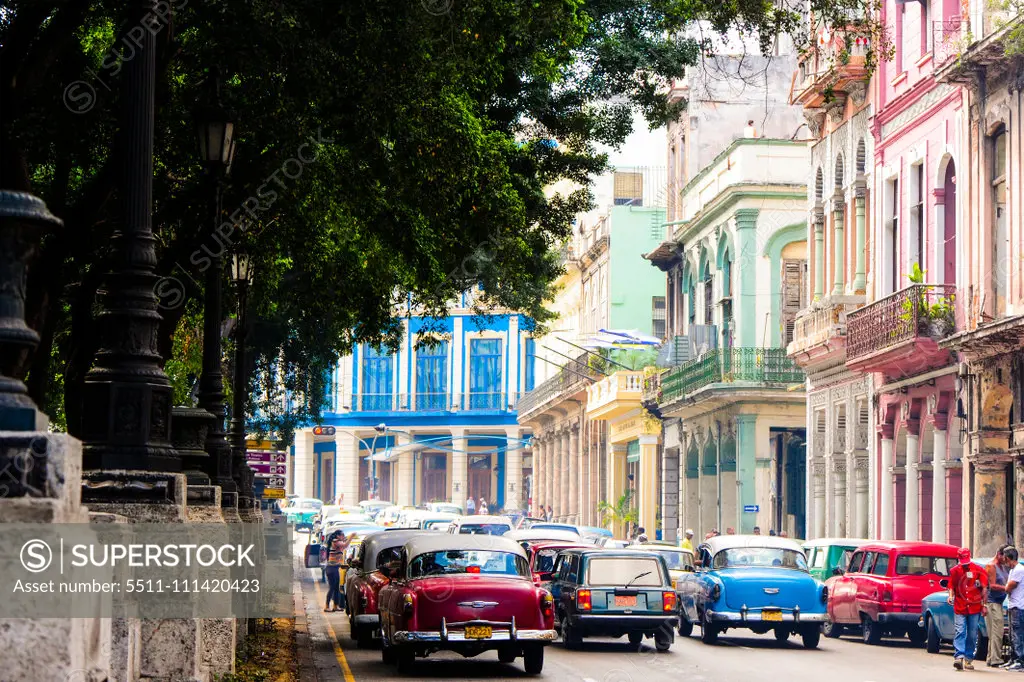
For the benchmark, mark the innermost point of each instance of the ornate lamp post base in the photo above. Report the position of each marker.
(188, 432)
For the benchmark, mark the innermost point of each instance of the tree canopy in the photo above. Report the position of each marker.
(389, 153)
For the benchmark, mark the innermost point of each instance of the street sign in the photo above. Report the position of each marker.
(273, 493)
(751, 508)
(266, 456)
(271, 481)
(266, 468)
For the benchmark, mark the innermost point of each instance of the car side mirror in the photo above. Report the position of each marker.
(943, 583)
(312, 559)
(838, 571)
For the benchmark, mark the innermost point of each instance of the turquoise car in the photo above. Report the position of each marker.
(751, 582)
(825, 555)
(303, 512)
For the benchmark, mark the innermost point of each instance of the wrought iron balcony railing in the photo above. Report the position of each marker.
(431, 402)
(916, 311)
(948, 39)
(822, 322)
(728, 365)
(565, 383)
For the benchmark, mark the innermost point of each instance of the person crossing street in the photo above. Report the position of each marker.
(967, 589)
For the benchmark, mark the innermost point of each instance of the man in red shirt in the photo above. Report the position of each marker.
(968, 585)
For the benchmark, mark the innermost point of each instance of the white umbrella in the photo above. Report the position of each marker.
(629, 337)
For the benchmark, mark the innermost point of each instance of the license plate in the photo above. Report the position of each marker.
(625, 601)
(775, 616)
(478, 632)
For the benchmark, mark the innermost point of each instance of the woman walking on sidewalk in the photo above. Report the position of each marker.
(337, 544)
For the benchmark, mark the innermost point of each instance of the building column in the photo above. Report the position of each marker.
(564, 476)
(550, 469)
(913, 513)
(939, 478)
(647, 504)
(573, 469)
(670, 494)
(404, 482)
(617, 481)
(746, 471)
(818, 222)
(989, 506)
(850, 482)
(839, 246)
(860, 250)
(513, 469)
(555, 499)
(346, 453)
(839, 495)
(458, 477)
(860, 526)
(745, 298)
(305, 463)
(817, 470)
(885, 516)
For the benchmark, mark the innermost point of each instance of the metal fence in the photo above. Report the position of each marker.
(565, 383)
(918, 310)
(726, 365)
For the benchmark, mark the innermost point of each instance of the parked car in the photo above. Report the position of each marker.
(883, 586)
(678, 559)
(480, 524)
(543, 553)
(594, 533)
(540, 534)
(751, 582)
(302, 512)
(373, 507)
(613, 593)
(436, 521)
(938, 623)
(464, 594)
(445, 508)
(613, 543)
(564, 527)
(365, 581)
(525, 522)
(826, 555)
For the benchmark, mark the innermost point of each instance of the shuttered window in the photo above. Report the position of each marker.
(794, 295)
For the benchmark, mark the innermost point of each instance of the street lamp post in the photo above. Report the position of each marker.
(241, 274)
(215, 128)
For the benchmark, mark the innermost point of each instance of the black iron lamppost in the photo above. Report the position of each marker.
(241, 274)
(216, 129)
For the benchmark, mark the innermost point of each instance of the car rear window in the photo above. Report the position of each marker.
(436, 525)
(621, 571)
(675, 559)
(923, 565)
(484, 529)
(544, 562)
(760, 557)
(456, 561)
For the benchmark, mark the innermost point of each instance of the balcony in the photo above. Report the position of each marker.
(565, 384)
(949, 39)
(819, 333)
(759, 366)
(615, 395)
(830, 67)
(433, 402)
(899, 335)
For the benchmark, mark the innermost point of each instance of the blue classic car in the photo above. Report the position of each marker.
(937, 621)
(752, 582)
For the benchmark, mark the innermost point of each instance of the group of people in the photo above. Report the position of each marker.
(474, 507)
(974, 593)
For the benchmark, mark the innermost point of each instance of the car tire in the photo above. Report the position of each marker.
(404, 659)
(507, 655)
(353, 629)
(636, 638)
(685, 627)
(708, 633)
(533, 659)
(663, 639)
(917, 636)
(811, 637)
(781, 634)
(387, 654)
(570, 638)
(932, 642)
(831, 630)
(870, 630)
(364, 638)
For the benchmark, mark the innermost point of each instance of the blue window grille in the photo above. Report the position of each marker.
(531, 363)
(432, 377)
(377, 382)
(485, 375)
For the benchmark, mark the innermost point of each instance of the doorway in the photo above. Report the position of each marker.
(434, 486)
(480, 478)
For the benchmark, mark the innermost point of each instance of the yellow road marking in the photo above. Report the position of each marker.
(338, 653)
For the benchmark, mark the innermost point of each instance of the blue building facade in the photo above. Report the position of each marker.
(426, 424)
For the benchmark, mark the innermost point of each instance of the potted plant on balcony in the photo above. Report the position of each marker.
(934, 320)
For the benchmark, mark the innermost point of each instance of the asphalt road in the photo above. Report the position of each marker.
(330, 655)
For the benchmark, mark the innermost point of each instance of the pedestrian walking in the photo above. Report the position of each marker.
(470, 506)
(550, 516)
(482, 507)
(757, 530)
(967, 588)
(688, 540)
(1015, 592)
(336, 544)
(730, 531)
(997, 572)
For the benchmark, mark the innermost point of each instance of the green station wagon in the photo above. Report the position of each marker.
(825, 555)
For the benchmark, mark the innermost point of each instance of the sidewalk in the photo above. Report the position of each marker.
(315, 638)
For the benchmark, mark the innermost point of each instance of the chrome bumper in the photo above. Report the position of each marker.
(744, 617)
(368, 619)
(500, 632)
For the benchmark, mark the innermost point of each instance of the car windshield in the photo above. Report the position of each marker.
(484, 529)
(315, 505)
(484, 562)
(676, 560)
(554, 526)
(544, 562)
(622, 571)
(760, 557)
(436, 525)
(923, 565)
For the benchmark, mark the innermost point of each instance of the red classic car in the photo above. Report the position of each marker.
(881, 588)
(468, 594)
(365, 580)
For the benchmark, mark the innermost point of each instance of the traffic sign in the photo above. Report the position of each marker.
(271, 481)
(266, 456)
(751, 508)
(266, 468)
(273, 493)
